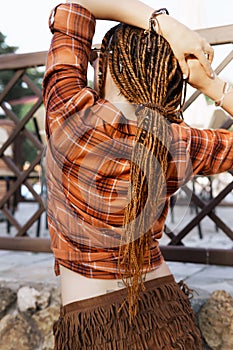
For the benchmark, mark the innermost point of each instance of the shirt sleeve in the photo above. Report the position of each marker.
(65, 79)
(211, 151)
(197, 152)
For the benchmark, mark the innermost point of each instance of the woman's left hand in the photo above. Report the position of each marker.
(186, 43)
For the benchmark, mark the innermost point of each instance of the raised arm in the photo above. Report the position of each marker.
(136, 13)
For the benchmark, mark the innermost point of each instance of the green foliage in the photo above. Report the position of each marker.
(20, 89)
(4, 48)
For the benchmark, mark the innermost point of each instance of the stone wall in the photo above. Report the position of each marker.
(216, 321)
(27, 314)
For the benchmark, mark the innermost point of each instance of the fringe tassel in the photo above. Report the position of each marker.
(165, 321)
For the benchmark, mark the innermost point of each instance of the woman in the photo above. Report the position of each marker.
(129, 130)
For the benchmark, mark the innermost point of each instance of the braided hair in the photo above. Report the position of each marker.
(147, 74)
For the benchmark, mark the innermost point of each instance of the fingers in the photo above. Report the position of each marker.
(194, 46)
(204, 55)
(208, 50)
(205, 60)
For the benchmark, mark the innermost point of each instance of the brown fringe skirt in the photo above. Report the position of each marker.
(165, 321)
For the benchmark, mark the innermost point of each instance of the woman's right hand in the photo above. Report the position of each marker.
(186, 43)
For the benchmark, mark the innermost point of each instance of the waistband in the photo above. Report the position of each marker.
(112, 297)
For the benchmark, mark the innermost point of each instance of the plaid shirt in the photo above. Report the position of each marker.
(88, 156)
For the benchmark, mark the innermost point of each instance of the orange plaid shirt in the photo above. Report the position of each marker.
(89, 151)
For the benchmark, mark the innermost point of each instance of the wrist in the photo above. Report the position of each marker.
(215, 90)
(167, 25)
(154, 23)
(220, 92)
(225, 91)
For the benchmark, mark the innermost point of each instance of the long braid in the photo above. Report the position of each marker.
(146, 72)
